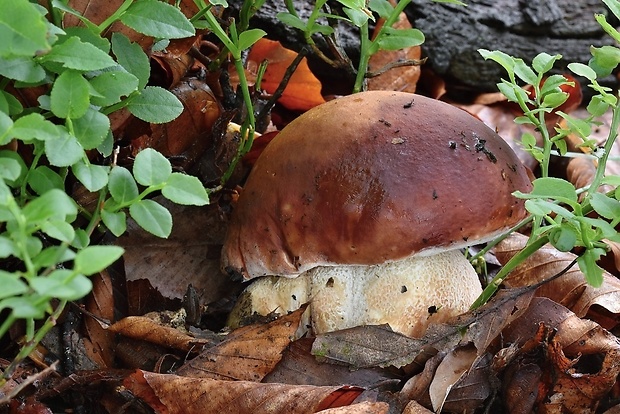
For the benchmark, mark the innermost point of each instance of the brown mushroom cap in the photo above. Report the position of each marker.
(371, 178)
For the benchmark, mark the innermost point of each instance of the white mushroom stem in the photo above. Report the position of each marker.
(407, 294)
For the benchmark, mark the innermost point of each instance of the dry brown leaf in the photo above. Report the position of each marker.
(414, 408)
(570, 290)
(303, 90)
(171, 394)
(189, 135)
(365, 407)
(189, 256)
(473, 388)
(99, 342)
(249, 353)
(299, 366)
(402, 79)
(450, 370)
(580, 361)
(147, 329)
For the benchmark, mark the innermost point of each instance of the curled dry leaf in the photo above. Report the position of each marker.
(249, 353)
(171, 394)
(303, 90)
(147, 329)
(450, 370)
(99, 343)
(579, 361)
(570, 290)
(415, 408)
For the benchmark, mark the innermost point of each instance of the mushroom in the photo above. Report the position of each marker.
(362, 205)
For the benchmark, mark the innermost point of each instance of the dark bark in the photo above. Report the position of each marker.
(521, 28)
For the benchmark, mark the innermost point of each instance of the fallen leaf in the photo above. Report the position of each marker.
(450, 370)
(365, 407)
(172, 394)
(99, 343)
(570, 290)
(249, 353)
(303, 90)
(146, 329)
(402, 79)
(414, 408)
(299, 366)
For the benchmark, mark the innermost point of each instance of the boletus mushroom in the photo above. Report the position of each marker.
(362, 205)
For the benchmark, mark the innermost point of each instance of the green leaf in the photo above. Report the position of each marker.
(116, 222)
(186, 190)
(249, 37)
(525, 73)
(605, 206)
(122, 186)
(582, 70)
(10, 169)
(382, 7)
(563, 238)
(614, 6)
(94, 177)
(94, 259)
(53, 256)
(131, 57)
(581, 127)
(543, 62)
(43, 179)
(25, 307)
(11, 285)
(552, 188)
(6, 126)
(13, 106)
(91, 129)
(63, 151)
(7, 248)
(292, 21)
(59, 230)
(75, 54)
(151, 168)
(555, 99)
(587, 265)
(396, 39)
(157, 19)
(23, 69)
(357, 16)
(152, 217)
(34, 126)
(86, 35)
(62, 284)
(23, 29)
(504, 60)
(512, 92)
(70, 95)
(155, 105)
(112, 86)
(597, 106)
(55, 204)
(604, 59)
(22, 167)
(552, 84)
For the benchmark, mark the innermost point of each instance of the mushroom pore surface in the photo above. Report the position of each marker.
(371, 178)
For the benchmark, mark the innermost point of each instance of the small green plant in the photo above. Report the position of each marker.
(561, 213)
(360, 14)
(45, 236)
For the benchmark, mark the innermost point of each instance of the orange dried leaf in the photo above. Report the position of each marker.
(248, 354)
(172, 394)
(402, 79)
(147, 329)
(303, 90)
